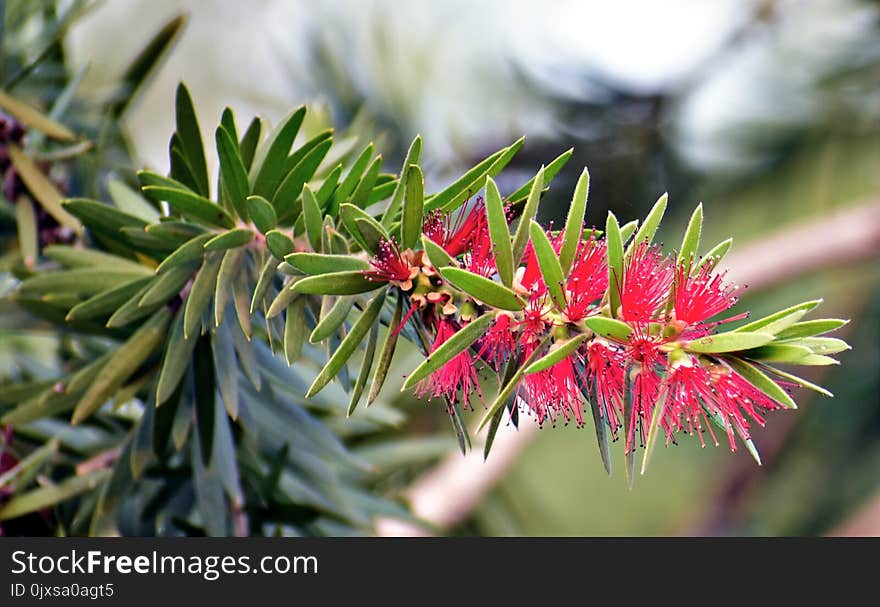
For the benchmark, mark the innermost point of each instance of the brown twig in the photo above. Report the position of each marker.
(448, 493)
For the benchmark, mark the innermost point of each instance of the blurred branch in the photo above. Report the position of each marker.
(445, 495)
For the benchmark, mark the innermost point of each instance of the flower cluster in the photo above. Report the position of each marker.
(637, 339)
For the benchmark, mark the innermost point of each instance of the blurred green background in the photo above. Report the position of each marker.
(768, 112)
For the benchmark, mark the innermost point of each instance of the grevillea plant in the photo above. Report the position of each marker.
(306, 251)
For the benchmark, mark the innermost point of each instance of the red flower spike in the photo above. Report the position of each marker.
(605, 376)
(702, 295)
(499, 343)
(587, 281)
(646, 283)
(457, 236)
(552, 392)
(455, 380)
(644, 351)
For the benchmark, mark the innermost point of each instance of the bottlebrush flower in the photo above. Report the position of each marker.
(701, 295)
(499, 343)
(389, 265)
(552, 392)
(457, 235)
(588, 279)
(646, 283)
(457, 379)
(604, 372)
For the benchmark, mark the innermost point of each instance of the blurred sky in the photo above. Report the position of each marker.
(469, 75)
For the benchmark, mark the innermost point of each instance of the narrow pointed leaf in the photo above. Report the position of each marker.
(413, 155)
(129, 201)
(555, 355)
(192, 205)
(35, 119)
(649, 227)
(232, 171)
(551, 270)
(521, 237)
(691, 241)
(125, 361)
(279, 244)
(499, 233)
(615, 262)
(43, 190)
(437, 255)
(727, 342)
(336, 283)
(413, 207)
(108, 301)
(349, 344)
(779, 321)
(609, 327)
(229, 269)
(167, 285)
(810, 328)
(332, 320)
(176, 362)
(482, 289)
(449, 349)
(192, 250)
(716, 253)
(364, 373)
(294, 330)
(200, 294)
(191, 139)
(313, 219)
(549, 172)
(230, 239)
(268, 174)
(507, 390)
(574, 224)
(262, 213)
(316, 263)
(387, 353)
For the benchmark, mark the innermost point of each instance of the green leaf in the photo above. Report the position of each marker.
(107, 301)
(345, 189)
(627, 230)
(79, 281)
(175, 363)
(232, 171)
(328, 187)
(437, 255)
(35, 118)
(365, 186)
(654, 428)
(336, 283)
(125, 361)
(413, 207)
(615, 261)
(73, 257)
(727, 342)
(167, 285)
(313, 218)
(449, 349)
(509, 371)
(387, 353)
(351, 342)
(206, 412)
(41, 187)
(364, 373)
(175, 232)
(779, 321)
(601, 428)
(413, 155)
(149, 178)
(810, 328)
(131, 310)
(715, 253)
(499, 233)
(229, 269)
(574, 224)
(820, 345)
(609, 327)
(778, 353)
(549, 172)
(363, 228)
(282, 300)
(521, 237)
(267, 275)
(45, 497)
(267, 171)
(200, 294)
(549, 264)
(798, 380)
(691, 241)
(279, 244)
(26, 226)
(191, 139)
(294, 330)
(482, 289)
(763, 383)
(556, 354)
(190, 204)
(129, 201)
(316, 263)
(231, 239)
(249, 142)
(192, 250)
(817, 360)
(262, 213)
(292, 186)
(649, 226)
(140, 69)
(629, 450)
(332, 320)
